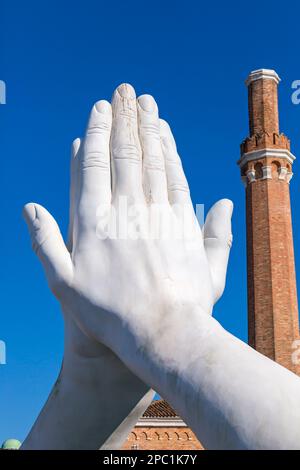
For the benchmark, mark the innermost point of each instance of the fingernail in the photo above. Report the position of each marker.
(227, 203)
(126, 91)
(29, 213)
(147, 103)
(102, 107)
(75, 147)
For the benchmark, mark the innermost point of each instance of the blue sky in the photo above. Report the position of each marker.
(57, 59)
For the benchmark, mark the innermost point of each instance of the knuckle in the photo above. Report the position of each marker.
(150, 128)
(127, 112)
(154, 162)
(127, 152)
(100, 127)
(95, 160)
(181, 187)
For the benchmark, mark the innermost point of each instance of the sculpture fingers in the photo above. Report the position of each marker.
(178, 188)
(74, 189)
(154, 175)
(94, 166)
(217, 242)
(126, 152)
(48, 244)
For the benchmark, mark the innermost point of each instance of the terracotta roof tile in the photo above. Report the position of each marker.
(160, 409)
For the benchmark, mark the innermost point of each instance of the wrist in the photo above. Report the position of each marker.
(168, 347)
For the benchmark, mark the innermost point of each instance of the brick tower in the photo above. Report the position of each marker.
(266, 169)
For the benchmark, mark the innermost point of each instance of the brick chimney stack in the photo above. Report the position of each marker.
(263, 102)
(266, 170)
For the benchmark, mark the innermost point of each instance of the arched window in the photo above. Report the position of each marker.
(275, 169)
(258, 171)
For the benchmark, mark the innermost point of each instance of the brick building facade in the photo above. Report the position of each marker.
(160, 428)
(266, 170)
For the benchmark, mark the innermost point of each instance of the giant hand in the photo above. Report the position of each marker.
(128, 166)
(96, 400)
(118, 273)
(149, 298)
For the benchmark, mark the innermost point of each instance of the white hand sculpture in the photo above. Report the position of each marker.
(150, 299)
(91, 186)
(95, 394)
(104, 280)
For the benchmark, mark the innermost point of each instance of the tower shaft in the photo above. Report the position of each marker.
(266, 168)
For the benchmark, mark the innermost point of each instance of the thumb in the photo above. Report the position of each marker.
(217, 241)
(49, 246)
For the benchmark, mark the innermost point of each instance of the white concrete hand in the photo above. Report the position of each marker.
(126, 290)
(129, 152)
(86, 396)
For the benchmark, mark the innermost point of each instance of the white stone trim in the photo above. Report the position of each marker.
(264, 153)
(251, 175)
(161, 423)
(267, 172)
(263, 74)
(282, 173)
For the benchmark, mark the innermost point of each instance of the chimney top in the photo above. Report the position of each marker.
(265, 74)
